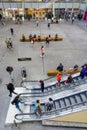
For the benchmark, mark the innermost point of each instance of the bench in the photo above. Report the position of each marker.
(42, 39)
(67, 71)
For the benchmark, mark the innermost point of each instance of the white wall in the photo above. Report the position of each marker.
(42, 5)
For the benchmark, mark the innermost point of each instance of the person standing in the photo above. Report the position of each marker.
(7, 42)
(12, 31)
(73, 19)
(50, 104)
(47, 40)
(69, 79)
(37, 108)
(42, 85)
(11, 89)
(83, 72)
(60, 67)
(32, 41)
(58, 79)
(10, 43)
(48, 25)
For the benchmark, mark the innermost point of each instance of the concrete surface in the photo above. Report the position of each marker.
(72, 50)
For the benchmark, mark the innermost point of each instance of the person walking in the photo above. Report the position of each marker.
(73, 19)
(42, 85)
(16, 102)
(10, 43)
(12, 31)
(48, 25)
(7, 42)
(47, 40)
(42, 51)
(11, 89)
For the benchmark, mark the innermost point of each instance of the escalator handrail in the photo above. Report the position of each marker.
(40, 94)
(37, 80)
(49, 85)
(52, 111)
(73, 94)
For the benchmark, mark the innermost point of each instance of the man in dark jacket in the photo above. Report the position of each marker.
(60, 67)
(11, 88)
(42, 85)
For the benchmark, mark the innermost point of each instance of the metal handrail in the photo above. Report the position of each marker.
(48, 92)
(46, 80)
(37, 80)
(57, 111)
(54, 100)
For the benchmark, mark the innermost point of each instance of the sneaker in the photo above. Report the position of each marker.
(10, 95)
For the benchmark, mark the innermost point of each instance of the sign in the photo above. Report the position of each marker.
(24, 59)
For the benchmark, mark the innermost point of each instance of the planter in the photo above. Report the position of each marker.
(42, 39)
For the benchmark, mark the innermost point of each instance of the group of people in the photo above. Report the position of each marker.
(83, 73)
(35, 37)
(69, 79)
(17, 99)
(37, 105)
(49, 105)
(8, 41)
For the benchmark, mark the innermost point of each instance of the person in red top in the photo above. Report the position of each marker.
(58, 78)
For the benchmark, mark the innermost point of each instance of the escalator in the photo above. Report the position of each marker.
(51, 88)
(62, 106)
(68, 98)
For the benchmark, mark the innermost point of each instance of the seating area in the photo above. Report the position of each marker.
(66, 71)
(40, 39)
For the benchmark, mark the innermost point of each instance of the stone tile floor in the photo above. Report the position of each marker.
(72, 50)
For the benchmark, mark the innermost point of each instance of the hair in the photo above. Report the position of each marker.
(42, 47)
(37, 101)
(50, 99)
(40, 81)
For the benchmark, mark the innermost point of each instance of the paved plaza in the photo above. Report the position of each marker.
(72, 50)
